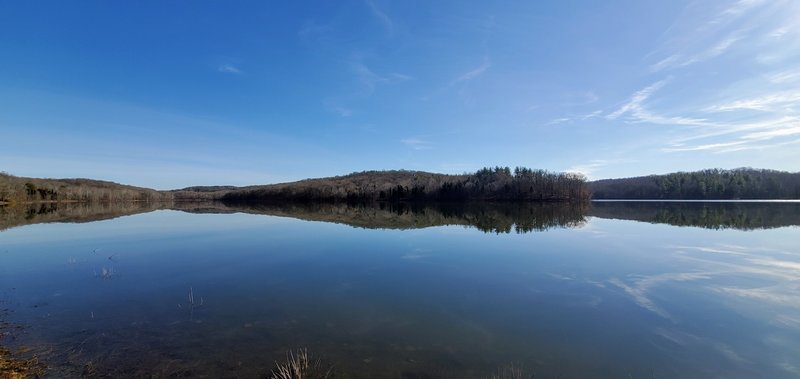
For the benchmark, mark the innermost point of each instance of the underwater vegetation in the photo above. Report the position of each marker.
(512, 372)
(16, 364)
(13, 367)
(106, 273)
(300, 365)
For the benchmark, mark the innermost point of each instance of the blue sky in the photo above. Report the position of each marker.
(168, 94)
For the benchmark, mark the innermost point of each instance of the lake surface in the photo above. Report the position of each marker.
(610, 290)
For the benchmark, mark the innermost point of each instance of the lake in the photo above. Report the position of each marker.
(606, 290)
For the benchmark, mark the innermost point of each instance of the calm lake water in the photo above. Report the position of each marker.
(612, 290)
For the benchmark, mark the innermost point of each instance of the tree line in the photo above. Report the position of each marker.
(713, 184)
(487, 184)
(493, 184)
(15, 189)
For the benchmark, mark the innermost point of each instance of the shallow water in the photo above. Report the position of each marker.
(613, 290)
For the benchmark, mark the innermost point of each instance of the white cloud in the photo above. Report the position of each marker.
(780, 32)
(381, 16)
(711, 146)
(770, 134)
(733, 128)
(760, 147)
(666, 62)
(782, 77)
(591, 97)
(637, 112)
(588, 168)
(768, 102)
(417, 144)
(474, 73)
(333, 106)
(748, 135)
(230, 69)
(558, 121)
(637, 100)
(369, 79)
(734, 12)
(594, 114)
(714, 51)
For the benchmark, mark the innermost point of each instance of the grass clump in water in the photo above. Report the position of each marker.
(511, 372)
(299, 365)
(13, 368)
(11, 365)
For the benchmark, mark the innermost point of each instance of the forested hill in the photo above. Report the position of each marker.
(14, 189)
(716, 184)
(499, 183)
(493, 184)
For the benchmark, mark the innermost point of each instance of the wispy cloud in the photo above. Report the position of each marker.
(594, 114)
(713, 51)
(230, 69)
(312, 28)
(588, 168)
(716, 50)
(705, 147)
(739, 136)
(669, 61)
(369, 79)
(557, 121)
(751, 111)
(783, 77)
(583, 117)
(722, 135)
(381, 16)
(636, 111)
(769, 102)
(739, 127)
(635, 104)
(462, 79)
(417, 144)
(770, 134)
(763, 147)
(333, 106)
(474, 73)
(689, 42)
(364, 82)
(779, 32)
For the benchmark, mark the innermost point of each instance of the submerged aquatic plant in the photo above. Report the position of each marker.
(299, 365)
(511, 372)
(191, 299)
(106, 273)
(12, 365)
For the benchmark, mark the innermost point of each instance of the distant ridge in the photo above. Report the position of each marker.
(713, 184)
(492, 184)
(14, 189)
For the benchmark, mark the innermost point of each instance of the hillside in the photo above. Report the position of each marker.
(493, 184)
(488, 184)
(715, 184)
(14, 189)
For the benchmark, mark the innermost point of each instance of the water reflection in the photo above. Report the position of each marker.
(710, 215)
(223, 291)
(28, 214)
(487, 217)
